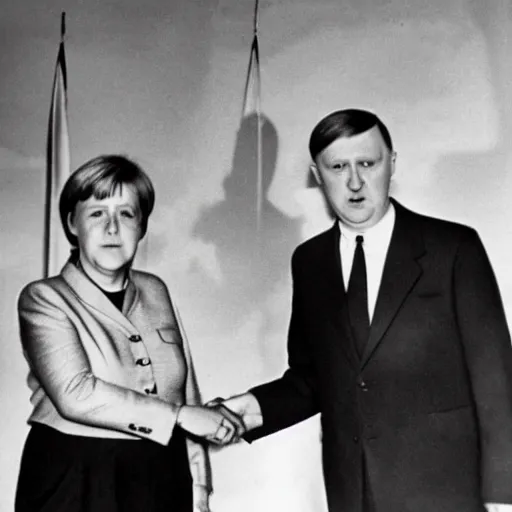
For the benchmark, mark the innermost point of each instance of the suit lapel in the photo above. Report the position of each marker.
(335, 298)
(401, 271)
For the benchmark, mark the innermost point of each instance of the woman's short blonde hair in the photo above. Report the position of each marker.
(100, 177)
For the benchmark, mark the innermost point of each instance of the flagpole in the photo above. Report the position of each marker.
(259, 190)
(254, 66)
(55, 246)
(62, 25)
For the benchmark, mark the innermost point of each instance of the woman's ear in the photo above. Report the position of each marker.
(71, 225)
(143, 229)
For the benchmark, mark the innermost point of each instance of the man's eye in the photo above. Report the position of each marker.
(128, 214)
(337, 167)
(367, 163)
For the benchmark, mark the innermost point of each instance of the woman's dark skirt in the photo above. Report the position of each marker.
(65, 473)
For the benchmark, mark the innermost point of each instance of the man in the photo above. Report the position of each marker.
(398, 339)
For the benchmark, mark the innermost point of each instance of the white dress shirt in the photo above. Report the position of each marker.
(375, 245)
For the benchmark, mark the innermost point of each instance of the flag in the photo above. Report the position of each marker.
(252, 108)
(56, 247)
(252, 92)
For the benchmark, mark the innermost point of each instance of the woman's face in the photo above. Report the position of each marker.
(108, 232)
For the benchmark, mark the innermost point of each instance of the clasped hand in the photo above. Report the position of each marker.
(214, 422)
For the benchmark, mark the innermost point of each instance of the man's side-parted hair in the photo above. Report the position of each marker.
(100, 177)
(345, 123)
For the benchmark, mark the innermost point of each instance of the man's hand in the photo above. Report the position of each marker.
(243, 407)
(208, 423)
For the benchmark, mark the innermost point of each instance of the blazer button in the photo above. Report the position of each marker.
(134, 338)
(363, 385)
(355, 439)
(151, 391)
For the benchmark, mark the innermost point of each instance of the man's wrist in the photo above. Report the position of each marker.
(253, 417)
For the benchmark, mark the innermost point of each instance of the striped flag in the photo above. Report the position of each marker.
(56, 247)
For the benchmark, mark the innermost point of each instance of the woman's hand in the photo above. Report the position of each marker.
(210, 424)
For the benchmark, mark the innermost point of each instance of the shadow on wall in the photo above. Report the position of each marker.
(252, 259)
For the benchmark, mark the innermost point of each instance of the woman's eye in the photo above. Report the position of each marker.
(96, 213)
(128, 214)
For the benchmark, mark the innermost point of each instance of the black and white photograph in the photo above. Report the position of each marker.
(255, 256)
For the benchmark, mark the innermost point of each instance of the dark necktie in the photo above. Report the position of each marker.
(357, 297)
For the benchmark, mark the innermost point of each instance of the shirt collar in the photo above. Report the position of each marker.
(376, 236)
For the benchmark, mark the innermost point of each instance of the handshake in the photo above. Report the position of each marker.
(220, 421)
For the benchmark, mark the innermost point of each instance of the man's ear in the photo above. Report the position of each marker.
(393, 162)
(314, 170)
(71, 225)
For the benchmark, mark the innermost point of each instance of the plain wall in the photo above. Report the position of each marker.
(163, 82)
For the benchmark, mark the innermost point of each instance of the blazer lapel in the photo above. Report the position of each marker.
(401, 271)
(130, 298)
(90, 294)
(335, 296)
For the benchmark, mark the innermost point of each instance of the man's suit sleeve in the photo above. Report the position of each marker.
(291, 398)
(486, 343)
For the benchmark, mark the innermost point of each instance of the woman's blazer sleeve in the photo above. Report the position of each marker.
(56, 356)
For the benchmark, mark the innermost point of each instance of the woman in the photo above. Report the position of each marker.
(113, 386)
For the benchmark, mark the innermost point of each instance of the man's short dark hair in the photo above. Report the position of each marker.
(345, 123)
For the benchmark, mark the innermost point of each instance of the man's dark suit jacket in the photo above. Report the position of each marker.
(426, 412)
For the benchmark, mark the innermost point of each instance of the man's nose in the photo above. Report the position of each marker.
(112, 224)
(354, 179)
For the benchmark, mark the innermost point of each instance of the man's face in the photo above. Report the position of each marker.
(355, 174)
